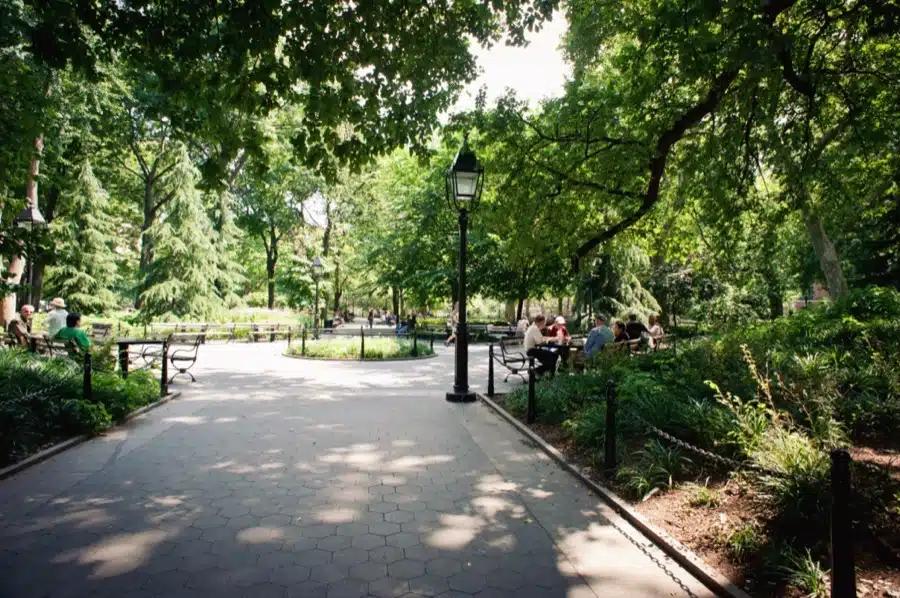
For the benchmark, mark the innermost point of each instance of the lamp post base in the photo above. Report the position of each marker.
(461, 397)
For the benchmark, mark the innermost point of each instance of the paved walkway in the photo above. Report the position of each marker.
(280, 477)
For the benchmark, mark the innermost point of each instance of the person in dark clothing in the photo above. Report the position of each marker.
(371, 317)
(620, 332)
(635, 329)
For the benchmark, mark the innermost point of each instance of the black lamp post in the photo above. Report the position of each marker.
(317, 268)
(465, 180)
(30, 219)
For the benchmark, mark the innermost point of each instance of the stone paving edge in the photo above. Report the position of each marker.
(65, 445)
(681, 554)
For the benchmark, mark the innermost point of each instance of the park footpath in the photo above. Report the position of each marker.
(289, 478)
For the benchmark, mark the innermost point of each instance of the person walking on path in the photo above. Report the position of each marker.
(371, 318)
(532, 342)
(599, 336)
(56, 319)
(19, 327)
(452, 323)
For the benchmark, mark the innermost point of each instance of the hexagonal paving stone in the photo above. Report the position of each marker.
(406, 569)
(318, 531)
(290, 575)
(312, 558)
(368, 571)
(505, 579)
(382, 507)
(420, 552)
(334, 543)
(348, 588)
(384, 529)
(388, 588)
(352, 529)
(275, 520)
(386, 554)
(233, 511)
(264, 590)
(308, 589)
(208, 521)
(329, 573)
(467, 582)
(350, 556)
(429, 585)
(242, 522)
(399, 516)
(368, 541)
(443, 566)
(498, 593)
(403, 540)
(272, 560)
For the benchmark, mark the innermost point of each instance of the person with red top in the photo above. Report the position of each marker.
(560, 334)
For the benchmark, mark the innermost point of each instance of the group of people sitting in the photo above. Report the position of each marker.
(61, 326)
(550, 345)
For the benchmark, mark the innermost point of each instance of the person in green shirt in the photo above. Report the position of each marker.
(75, 338)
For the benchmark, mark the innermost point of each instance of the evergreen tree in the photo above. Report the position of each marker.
(230, 273)
(85, 269)
(181, 278)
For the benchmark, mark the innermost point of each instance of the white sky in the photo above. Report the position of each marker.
(535, 72)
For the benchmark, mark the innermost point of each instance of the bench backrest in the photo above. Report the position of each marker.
(511, 344)
(187, 338)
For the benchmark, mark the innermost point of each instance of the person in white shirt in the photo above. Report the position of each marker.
(56, 319)
(656, 331)
(533, 339)
(522, 326)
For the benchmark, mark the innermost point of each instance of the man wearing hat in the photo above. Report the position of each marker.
(56, 319)
(600, 335)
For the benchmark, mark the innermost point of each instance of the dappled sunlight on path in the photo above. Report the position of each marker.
(279, 477)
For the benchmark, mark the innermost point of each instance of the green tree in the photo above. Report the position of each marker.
(181, 278)
(85, 268)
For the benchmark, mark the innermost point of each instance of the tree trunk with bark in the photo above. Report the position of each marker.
(827, 255)
(395, 300)
(17, 264)
(519, 308)
(271, 262)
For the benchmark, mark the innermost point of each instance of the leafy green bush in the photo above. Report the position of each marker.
(41, 401)
(349, 347)
(558, 397)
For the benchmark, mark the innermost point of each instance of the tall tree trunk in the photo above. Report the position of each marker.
(395, 300)
(42, 259)
(17, 264)
(559, 306)
(827, 254)
(337, 287)
(271, 262)
(400, 292)
(519, 309)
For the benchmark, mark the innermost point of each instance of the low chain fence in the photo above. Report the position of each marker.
(843, 569)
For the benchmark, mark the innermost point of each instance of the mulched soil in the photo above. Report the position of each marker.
(702, 528)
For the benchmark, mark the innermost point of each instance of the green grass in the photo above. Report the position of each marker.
(349, 348)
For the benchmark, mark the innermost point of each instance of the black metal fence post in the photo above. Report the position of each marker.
(289, 336)
(415, 349)
(87, 389)
(303, 343)
(532, 399)
(164, 374)
(362, 343)
(843, 568)
(609, 460)
(490, 390)
(432, 341)
(123, 359)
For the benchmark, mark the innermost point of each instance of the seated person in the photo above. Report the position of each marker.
(522, 326)
(533, 338)
(75, 338)
(599, 336)
(634, 328)
(656, 331)
(559, 333)
(19, 327)
(621, 336)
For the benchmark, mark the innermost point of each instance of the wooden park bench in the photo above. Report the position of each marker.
(500, 332)
(100, 333)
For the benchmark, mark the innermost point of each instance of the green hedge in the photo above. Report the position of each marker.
(42, 402)
(349, 348)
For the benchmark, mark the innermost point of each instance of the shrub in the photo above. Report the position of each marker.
(805, 573)
(743, 542)
(349, 348)
(558, 397)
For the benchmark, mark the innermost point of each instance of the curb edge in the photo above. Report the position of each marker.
(682, 555)
(47, 453)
